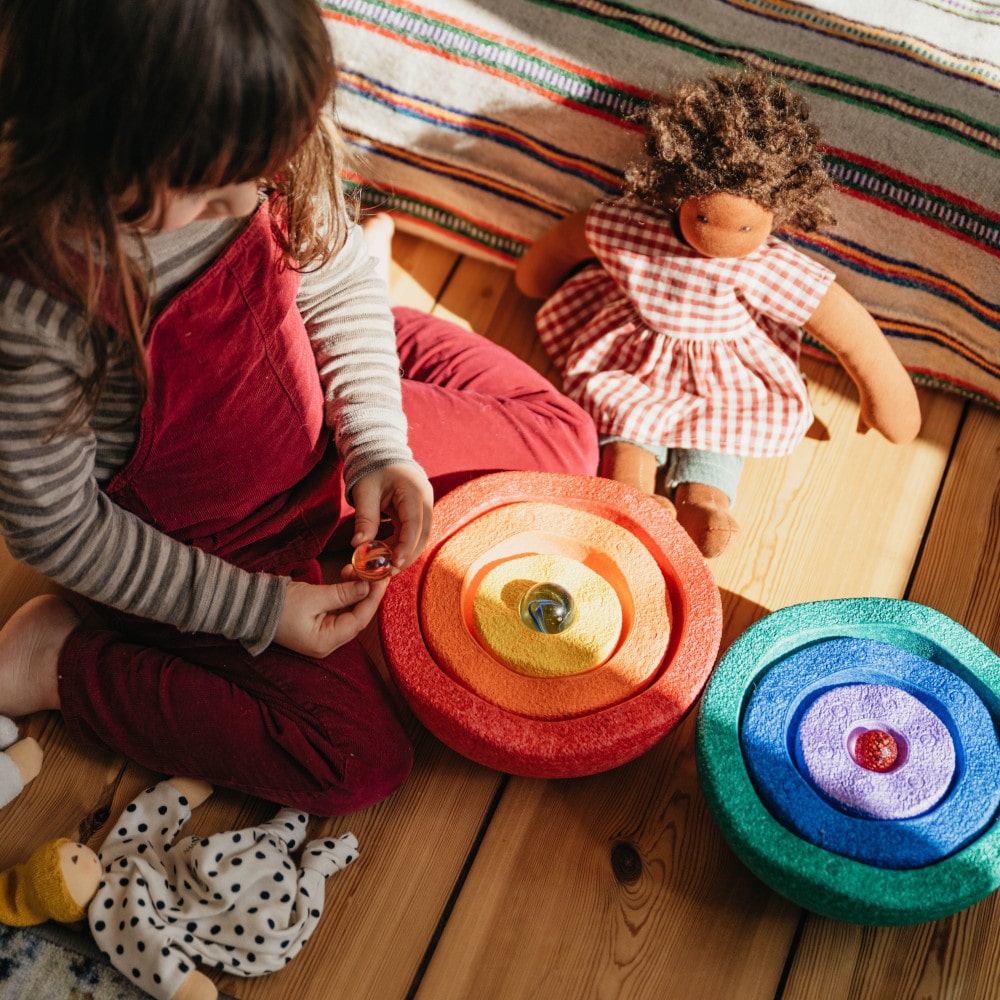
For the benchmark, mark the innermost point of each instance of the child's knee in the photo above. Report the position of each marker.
(365, 778)
(375, 777)
(574, 440)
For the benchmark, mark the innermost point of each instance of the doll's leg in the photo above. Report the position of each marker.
(320, 736)
(474, 408)
(704, 486)
(633, 465)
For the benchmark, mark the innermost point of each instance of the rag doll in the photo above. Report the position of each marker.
(675, 315)
(234, 901)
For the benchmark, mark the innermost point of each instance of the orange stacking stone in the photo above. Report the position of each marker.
(454, 577)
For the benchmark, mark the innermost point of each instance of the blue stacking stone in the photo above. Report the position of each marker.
(813, 876)
(768, 741)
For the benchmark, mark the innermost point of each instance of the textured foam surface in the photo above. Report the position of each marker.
(467, 556)
(586, 643)
(812, 876)
(831, 739)
(587, 743)
(792, 687)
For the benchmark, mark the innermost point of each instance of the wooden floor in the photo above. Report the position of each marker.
(472, 884)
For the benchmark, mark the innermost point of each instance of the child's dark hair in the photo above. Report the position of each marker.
(101, 99)
(745, 134)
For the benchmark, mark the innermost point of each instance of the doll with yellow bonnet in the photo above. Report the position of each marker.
(234, 901)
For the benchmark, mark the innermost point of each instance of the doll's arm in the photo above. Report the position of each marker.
(193, 789)
(154, 817)
(888, 398)
(545, 264)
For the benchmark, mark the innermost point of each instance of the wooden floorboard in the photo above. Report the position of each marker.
(472, 885)
(957, 575)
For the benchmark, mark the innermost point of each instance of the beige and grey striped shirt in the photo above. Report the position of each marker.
(53, 513)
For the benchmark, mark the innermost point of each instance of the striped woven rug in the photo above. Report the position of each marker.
(480, 122)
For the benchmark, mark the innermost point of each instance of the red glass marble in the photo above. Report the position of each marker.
(876, 750)
(372, 560)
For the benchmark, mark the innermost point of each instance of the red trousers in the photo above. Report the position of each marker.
(318, 735)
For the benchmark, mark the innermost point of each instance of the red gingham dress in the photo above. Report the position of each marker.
(665, 347)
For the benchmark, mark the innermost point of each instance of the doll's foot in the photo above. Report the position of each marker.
(196, 986)
(634, 466)
(703, 512)
(30, 644)
(666, 503)
(378, 231)
(27, 755)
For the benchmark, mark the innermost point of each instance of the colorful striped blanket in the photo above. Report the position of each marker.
(480, 122)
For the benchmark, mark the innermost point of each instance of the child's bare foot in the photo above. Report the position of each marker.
(703, 512)
(377, 231)
(30, 644)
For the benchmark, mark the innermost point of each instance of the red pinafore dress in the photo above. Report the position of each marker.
(233, 457)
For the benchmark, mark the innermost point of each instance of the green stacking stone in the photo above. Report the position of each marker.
(815, 878)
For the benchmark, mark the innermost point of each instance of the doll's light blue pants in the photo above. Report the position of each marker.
(688, 465)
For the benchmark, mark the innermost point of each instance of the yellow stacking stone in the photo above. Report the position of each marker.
(585, 644)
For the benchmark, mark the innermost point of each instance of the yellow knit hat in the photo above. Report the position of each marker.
(36, 891)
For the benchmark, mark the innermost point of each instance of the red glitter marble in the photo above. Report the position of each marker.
(372, 560)
(876, 750)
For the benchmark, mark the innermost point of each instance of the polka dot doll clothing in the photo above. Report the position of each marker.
(233, 901)
(665, 347)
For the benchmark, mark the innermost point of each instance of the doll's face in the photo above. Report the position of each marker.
(724, 225)
(81, 870)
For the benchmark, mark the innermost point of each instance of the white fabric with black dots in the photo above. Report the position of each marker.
(233, 901)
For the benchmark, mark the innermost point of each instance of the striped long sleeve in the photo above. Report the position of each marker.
(351, 328)
(53, 513)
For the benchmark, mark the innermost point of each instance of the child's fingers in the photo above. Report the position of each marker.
(317, 618)
(414, 528)
(333, 597)
(339, 626)
(366, 524)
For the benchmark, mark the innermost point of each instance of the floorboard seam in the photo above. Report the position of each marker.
(456, 891)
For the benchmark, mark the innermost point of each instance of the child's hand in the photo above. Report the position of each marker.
(404, 493)
(317, 618)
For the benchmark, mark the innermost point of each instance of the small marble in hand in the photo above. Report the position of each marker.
(372, 560)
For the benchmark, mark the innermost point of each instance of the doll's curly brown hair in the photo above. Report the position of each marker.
(745, 134)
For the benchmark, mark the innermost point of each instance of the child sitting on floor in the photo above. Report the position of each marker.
(200, 393)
